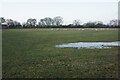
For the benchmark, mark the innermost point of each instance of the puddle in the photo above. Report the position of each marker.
(90, 45)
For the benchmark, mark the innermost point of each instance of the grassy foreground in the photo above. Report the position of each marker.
(28, 53)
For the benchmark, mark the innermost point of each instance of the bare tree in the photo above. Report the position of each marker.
(16, 23)
(99, 24)
(49, 21)
(46, 21)
(57, 21)
(42, 22)
(2, 20)
(76, 22)
(10, 22)
(113, 22)
(31, 22)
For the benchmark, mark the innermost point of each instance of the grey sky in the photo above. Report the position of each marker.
(85, 10)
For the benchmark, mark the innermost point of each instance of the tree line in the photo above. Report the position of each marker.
(56, 22)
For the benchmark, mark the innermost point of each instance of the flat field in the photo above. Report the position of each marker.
(29, 53)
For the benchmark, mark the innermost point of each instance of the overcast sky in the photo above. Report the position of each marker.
(84, 10)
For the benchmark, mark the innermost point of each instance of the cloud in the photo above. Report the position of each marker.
(60, 0)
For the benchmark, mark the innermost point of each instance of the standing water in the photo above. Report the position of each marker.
(90, 45)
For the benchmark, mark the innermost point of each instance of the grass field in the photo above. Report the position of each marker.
(28, 53)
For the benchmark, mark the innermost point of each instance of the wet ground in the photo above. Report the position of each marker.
(90, 45)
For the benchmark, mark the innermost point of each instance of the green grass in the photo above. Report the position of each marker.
(28, 53)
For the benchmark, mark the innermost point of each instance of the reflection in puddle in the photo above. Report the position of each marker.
(90, 45)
